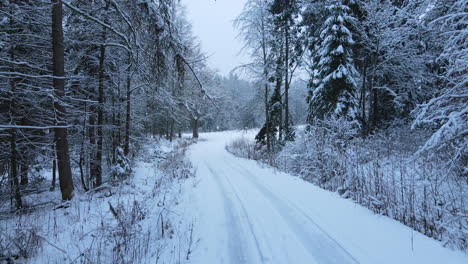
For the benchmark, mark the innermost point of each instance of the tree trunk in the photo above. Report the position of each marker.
(92, 143)
(127, 121)
(172, 132)
(82, 176)
(14, 171)
(100, 134)
(195, 128)
(166, 129)
(54, 173)
(24, 172)
(82, 155)
(280, 106)
(375, 107)
(113, 135)
(286, 86)
(267, 118)
(13, 175)
(61, 133)
(24, 158)
(373, 103)
(363, 102)
(265, 76)
(114, 123)
(119, 116)
(280, 123)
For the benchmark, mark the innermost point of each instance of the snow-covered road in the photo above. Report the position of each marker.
(250, 214)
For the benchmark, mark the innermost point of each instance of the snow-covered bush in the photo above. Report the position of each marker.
(130, 243)
(121, 168)
(380, 173)
(123, 223)
(175, 165)
(242, 147)
(19, 244)
(245, 148)
(318, 153)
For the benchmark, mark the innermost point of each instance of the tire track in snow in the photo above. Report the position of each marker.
(284, 205)
(237, 246)
(236, 253)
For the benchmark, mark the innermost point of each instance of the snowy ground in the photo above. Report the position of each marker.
(148, 224)
(235, 211)
(247, 213)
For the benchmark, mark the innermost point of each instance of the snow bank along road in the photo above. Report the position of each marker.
(249, 214)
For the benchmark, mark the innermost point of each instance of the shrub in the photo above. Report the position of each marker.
(381, 173)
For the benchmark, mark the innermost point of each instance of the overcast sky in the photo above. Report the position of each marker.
(212, 24)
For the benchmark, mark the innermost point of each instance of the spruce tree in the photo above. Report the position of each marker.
(333, 85)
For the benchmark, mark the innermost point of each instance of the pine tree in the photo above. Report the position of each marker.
(333, 85)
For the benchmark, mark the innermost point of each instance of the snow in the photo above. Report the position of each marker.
(339, 50)
(234, 211)
(88, 231)
(247, 213)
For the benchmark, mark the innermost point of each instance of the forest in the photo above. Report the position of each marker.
(367, 99)
(386, 122)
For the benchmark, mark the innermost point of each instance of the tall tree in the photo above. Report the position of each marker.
(255, 26)
(333, 88)
(61, 134)
(286, 13)
(100, 121)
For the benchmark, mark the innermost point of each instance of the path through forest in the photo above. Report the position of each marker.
(251, 214)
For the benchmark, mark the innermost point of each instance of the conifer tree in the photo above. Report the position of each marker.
(333, 85)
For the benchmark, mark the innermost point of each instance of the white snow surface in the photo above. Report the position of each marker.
(249, 213)
(87, 231)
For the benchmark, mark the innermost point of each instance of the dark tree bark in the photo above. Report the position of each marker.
(14, 171)
(92, 142)
(286, 84)
(375, 107)
(119, 115)
(100, 134)
(24, 172)
(278, 100)
(195, 128)
(267, 117)
(54, 173)
(114, 122)
(127, 121)
(172, 132)
(363, 102)
(82, 155)
(82, 176)
(113, 134)
(61, 133)
(166, 129)
(267, 105)
(373, 103)
(280, 118)
(274, 119)
(13, 175)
